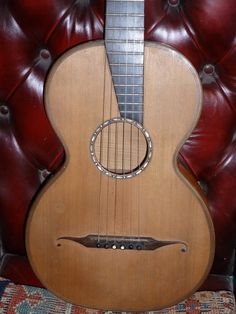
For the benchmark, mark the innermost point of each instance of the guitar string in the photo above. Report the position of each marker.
(100, 151)
(116, 150)
(141, 120)
(109, 116)
(108, 160)
(131, 136)
(124, 204)
(107, 145)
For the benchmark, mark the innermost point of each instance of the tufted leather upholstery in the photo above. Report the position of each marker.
(33, 34)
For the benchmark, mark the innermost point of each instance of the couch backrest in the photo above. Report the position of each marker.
(33, 34)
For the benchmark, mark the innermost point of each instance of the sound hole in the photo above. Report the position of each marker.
(121, 148)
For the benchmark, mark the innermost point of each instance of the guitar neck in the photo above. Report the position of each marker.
(124, 41)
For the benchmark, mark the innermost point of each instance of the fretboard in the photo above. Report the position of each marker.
(124, 40)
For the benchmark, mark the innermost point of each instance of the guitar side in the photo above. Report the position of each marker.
(159, 203)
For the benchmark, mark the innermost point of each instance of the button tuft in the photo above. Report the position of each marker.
(173, 3)
(45, 54)
(209, 69)
(4, 110)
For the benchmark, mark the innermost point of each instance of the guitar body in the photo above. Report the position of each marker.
(159, 202)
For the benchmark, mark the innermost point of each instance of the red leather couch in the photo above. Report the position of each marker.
(33, 34)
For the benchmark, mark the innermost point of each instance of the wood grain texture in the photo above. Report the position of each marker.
(158, 203)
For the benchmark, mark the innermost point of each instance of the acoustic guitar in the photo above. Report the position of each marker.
(122, 226)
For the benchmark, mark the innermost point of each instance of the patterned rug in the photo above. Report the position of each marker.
(20, 299)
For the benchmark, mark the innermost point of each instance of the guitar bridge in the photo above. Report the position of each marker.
(122, 242)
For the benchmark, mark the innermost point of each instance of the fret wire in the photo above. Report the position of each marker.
(129, 41)
(131, 111)
(126, 0)
(124, 28)
(125, 14)
(128, 64)
(124, 52)
(127, 75)
(133, 85)
(131, 103)
(135, 94)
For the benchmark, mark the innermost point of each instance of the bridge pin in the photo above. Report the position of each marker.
(106, 246)
(114, 247)
(122, 247)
